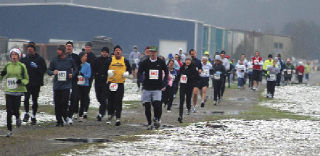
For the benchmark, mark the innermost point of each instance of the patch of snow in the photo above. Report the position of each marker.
(299, 99)
(238, 137)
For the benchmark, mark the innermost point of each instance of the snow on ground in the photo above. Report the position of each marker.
(299, 99)
(41, 118)
(46, 94)
(237, 137)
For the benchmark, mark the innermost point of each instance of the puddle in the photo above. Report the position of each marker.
(134, 125)
(218, 112)
(83, 140)
(239, 99)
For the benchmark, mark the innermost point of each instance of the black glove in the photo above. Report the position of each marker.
(81, 74)
(19, 81)
(3, 73)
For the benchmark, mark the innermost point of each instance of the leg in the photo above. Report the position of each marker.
(26, 100)
(64, 102)
(9, 107)
(35, 96)
(203, 93)
(182, 96)
(188, 99)
(223, 86)
(118, 101)
(195, 95)
(147, 106)
(57, 102)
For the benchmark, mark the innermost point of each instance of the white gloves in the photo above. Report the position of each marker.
(126, 74)
(110, 73)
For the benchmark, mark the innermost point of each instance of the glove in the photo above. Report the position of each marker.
(33, 65)
(81, 74)
(19, 81)
(126, 74)
(3, 73)
(110, 73)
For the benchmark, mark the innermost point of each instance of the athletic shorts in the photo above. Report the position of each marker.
(257, 75)
(151, 95)
(204, 82)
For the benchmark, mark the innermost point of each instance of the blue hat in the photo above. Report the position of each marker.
(170, 56)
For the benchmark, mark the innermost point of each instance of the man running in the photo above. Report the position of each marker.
(226, 64)
(118, 70)
(153, 69)
(204, 79)
(100, 73)
(288, 72)
(134, 59)
(257, 67)
(198, 65)
(36, 67)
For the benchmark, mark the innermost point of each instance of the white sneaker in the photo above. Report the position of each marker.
(9, 134)
(76, 116)
(194, 109)
(109, 119)
(69, 121)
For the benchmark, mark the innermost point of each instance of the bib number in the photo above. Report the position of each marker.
(256, 62)
(183, 79)
(216, 76)
(62, 75)
(113, 87)
(81, 80)
(299, 73)
(289, 72)
(153, 74)
(12, 83)
(205, 73)
(273, 77)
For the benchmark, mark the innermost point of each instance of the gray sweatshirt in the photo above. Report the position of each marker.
(65, 67)
(272, 73)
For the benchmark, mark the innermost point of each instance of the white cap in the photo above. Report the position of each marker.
(217, 57)
(15, 50)
(180, 49)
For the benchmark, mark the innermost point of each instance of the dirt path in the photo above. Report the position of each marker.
(39, 140)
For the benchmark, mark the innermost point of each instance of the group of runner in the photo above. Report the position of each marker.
(161, 79)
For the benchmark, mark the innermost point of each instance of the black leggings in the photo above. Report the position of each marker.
(217, 89)
(61, 98)
(223, 86)
(157, 108)
(271, 87)
(34, 91)
(185, 91)
(101, 94)
(167, 96)
(115, 101)
(12, 106)
(84, 99)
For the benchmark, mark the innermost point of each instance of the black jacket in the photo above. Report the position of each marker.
(77, 62)
(192, 75)
(100, 70)
(35, 74)
(197, 63)
(153, 84)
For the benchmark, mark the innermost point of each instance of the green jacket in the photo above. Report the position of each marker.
(16, 71)
(307, 69)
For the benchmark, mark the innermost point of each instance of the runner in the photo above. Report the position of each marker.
(281, 65)
(83, 84)
(146, 56)
(257, 67)
(118, 70)
(206, 53)
(198, 65)
(245, 63)
(134, 59)
(250, 73)
(100, 73)
(17, 78)
(241, 70)
(63, 68)
(176, 64)
(226, 64)
(307, 70)
(272, 71)
(36, 67)
(152, 84)
(74, 102)
(182, 55)
(204, 79)
(91, 60)
(188, 77)
(177, 58)
(288, 70)
(167, 95)
(300, 72)
(268, 63)
(218, 71)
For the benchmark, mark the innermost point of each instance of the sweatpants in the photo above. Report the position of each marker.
(115, 100)
(34, 91)
(271, 87)
(74, 99)
(61, 98)
(185, 91)
(12, 106)
(102, 95)
(167, 96)
(278, 79)
(83, 99)
(217, 89)
(300, 77)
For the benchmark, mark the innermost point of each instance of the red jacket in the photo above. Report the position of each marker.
(300, 69)
(257, 61)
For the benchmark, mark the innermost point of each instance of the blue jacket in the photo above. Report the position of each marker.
(67, 64)
(86, 71)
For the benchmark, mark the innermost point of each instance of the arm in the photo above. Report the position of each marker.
(75, 68)
(166, 74)
(25, 79)
(51, 68)
(87, 73)
(128, 66)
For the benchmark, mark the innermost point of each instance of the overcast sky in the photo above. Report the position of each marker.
(264, 15)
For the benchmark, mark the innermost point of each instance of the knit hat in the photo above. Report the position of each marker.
(32, 45)
(170, 56)
(117, 46)
(62, 48)
(153, 49)
(89, 44)
(15, 50)
(69, 42)
(105, 49)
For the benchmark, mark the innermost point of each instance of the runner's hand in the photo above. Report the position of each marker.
(18, 81)
(3, 73)
(55, 72)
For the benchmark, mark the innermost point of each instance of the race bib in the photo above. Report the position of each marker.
(153, 74)
(216, 76)
(273, 77)
(289, 71)
(81, 80)
(136, 61)
(300, 73)
(113, 87)
(256, 62)
(62, 75)
(12, 83)
(250, 69)
(205, 73)
(183, 79)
